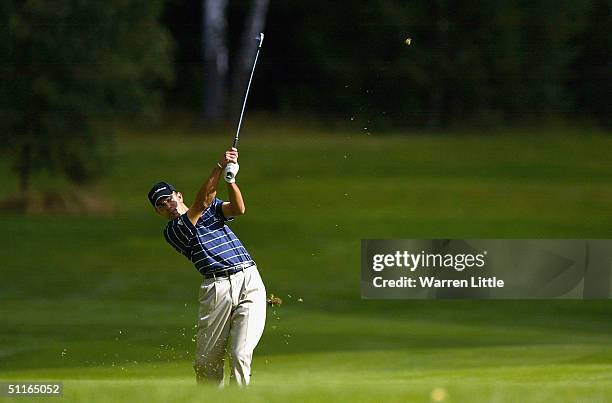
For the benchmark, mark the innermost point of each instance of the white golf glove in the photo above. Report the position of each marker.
(230, 171)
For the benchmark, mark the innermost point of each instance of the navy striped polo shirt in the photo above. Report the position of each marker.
(210, 244)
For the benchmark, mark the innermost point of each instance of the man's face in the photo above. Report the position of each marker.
(167, 206)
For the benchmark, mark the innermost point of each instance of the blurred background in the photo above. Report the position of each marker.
(494, 122)
(71, 68)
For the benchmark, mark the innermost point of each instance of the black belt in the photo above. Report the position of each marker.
(229, 271)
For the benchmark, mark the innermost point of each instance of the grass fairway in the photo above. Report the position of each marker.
(104, 305)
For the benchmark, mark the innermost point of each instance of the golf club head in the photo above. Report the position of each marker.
(260, 38)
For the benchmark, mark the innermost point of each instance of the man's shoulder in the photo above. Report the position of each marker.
(213, 208)
(175, 222)
(179, 227)
(183, 223)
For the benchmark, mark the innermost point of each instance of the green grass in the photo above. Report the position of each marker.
(103, 304)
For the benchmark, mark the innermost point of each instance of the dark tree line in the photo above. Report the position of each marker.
(68, 65)
(493, 62)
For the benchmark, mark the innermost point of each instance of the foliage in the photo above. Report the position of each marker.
(491, 63)
(468, 60)
(70, 64)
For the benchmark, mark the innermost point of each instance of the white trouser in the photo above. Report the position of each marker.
(231, 308)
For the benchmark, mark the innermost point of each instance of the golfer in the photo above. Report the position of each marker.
(232, 296)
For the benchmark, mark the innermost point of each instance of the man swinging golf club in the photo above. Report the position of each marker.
(232, 296)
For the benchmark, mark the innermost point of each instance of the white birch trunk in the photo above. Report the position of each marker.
(214, 46)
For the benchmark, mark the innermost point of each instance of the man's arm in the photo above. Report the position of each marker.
(205, 196)
(235, 206)
(208, 191)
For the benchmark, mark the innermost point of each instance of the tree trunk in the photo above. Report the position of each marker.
(214, 46)
(255, 23)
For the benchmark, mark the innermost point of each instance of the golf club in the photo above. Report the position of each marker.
(229, 171)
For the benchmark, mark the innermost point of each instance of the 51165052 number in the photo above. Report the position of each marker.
(31, 389)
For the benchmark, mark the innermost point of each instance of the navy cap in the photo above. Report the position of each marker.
(158, 190)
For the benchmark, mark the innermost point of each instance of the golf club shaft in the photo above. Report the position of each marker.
(235, 144)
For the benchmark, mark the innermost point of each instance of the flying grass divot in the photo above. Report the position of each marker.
(274, 300)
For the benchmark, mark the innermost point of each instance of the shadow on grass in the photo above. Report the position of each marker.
(43, 335)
